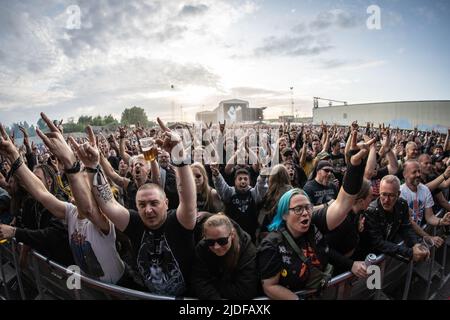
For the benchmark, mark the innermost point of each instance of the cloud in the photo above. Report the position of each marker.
(325, 20)
(351, 64)
(253, 92)
(193, 10)
(294, 46)
(309, 38)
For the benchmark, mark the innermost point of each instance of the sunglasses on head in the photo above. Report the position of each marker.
(221, 241)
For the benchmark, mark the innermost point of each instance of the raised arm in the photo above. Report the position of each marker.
(122, 135)
(112, 174)
(351, 184)
(89, 155)
(28, 179)
(80, 189)
(187, 209)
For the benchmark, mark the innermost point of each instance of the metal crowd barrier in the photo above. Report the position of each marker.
(50, 279)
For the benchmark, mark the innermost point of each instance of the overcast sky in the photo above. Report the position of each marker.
(128, 53)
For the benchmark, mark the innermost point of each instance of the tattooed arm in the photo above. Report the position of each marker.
(89, 155)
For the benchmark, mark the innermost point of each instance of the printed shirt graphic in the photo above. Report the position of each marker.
(93, 251)
(158, 266)
(417, 201)
(84, 256)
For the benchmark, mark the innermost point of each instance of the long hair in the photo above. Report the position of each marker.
(218, 220)
(205, 189)
(49, 174)
(279, 183)
(283, 208)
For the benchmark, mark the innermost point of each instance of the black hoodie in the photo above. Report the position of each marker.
(211, 279)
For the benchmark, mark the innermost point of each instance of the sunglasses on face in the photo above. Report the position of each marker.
(221, 241)
(327, 170)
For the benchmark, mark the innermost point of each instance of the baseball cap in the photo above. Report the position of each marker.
(323, 164)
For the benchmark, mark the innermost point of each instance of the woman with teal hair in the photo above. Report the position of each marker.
(295, 256)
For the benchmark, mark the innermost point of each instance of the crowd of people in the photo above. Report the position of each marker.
(290, 206)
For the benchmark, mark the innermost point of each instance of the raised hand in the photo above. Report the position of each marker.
(88, 151)
(122, 132)
(24, 132)
(55, 142)
(214, 169)
(363, 148)
(7, 148)
(171, 142)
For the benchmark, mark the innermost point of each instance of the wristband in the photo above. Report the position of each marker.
(92, 170)
(353, 178)
(76, 167)
(179, 165)
(16, 165)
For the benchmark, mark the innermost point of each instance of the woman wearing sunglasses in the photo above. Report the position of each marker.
(295, 255)
(225, 261)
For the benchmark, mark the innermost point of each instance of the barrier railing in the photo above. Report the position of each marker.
(50, 278)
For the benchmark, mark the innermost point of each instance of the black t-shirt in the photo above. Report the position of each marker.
(164, 256)
(345, 237)
(318, 193)
(275, 255)
(338, 162)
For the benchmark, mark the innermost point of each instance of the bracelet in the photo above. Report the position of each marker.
(76, 167)
(16, 165)
(92, 170)
(179, 165)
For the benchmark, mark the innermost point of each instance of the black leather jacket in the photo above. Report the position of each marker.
(382, 229)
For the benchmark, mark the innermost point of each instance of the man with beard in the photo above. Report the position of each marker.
(321, 190)
(241, 200)
(139, 177)
(420, 201)
(168, 181)
(435, 183)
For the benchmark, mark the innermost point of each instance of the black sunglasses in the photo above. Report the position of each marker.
(221, 241)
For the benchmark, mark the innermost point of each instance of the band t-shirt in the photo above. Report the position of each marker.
(318, 193)
(163, 256)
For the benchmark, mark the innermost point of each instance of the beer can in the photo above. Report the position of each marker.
(370, 259)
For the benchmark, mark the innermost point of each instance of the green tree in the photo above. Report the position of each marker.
(85, 120)
(109, 119)
(97, 121)
(133, 116)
